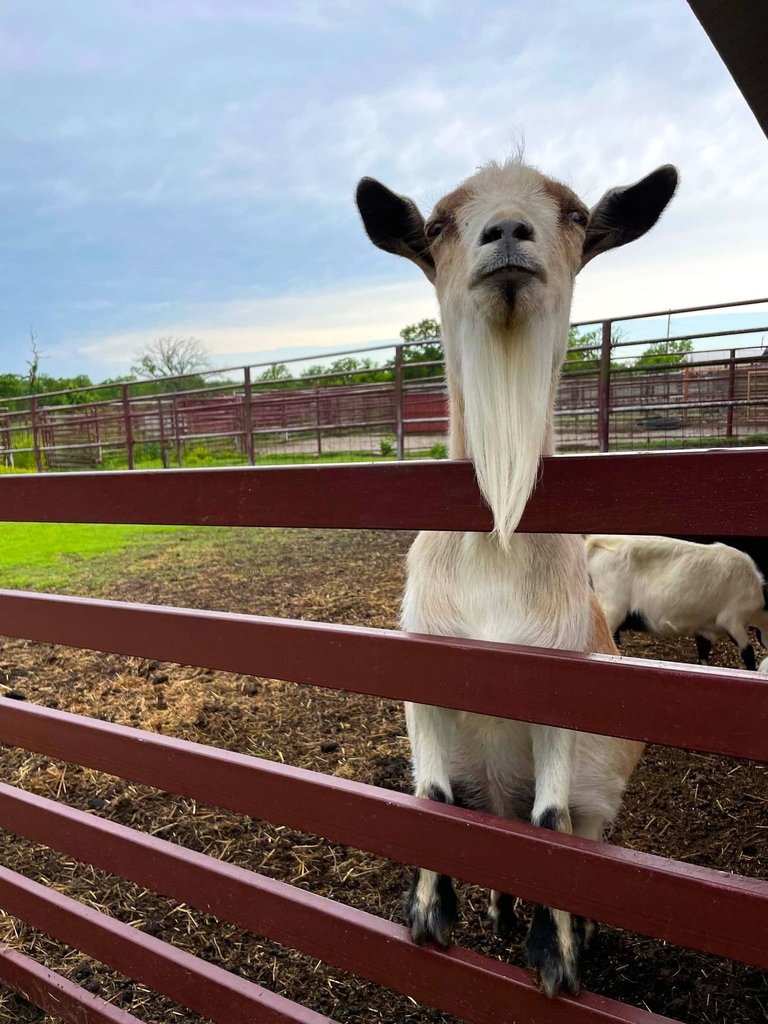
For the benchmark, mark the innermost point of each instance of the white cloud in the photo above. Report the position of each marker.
(631, 280)
(331, 320)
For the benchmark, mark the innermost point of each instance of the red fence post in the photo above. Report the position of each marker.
(399, 429)
(163, 439)
(248, 416)
(731, 392)
(177, 434)
(5, 433)
(97, 432)
(36, 434)
(128, 426)
(317, 421)
(604, 390)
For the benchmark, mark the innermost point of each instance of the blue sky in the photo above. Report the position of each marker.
(187, 166)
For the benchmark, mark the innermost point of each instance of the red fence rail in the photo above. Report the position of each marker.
(714, 710)
(713, 492)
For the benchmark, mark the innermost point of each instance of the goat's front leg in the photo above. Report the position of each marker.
(430, 905)
(552, 947)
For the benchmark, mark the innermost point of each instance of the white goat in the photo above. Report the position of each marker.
(679, 588)
(763, 669)
(503, 250)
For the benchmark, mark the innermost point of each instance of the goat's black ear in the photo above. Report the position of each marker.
(394, 224)
(626, 213)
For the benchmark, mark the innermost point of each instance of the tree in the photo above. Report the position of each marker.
(665, 353)
(171, 356)
(424, 331)
(34, 364)
(346, 370)
(583, 351)
(275, 373)
(427, 350)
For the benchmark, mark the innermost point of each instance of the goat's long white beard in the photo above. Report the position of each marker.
(507, 382)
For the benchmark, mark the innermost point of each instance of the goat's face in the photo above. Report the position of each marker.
(508, 242)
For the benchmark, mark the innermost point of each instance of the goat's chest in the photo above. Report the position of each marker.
(535, 592)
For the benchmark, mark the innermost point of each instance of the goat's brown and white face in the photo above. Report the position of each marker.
(503, 250)
(509, 241)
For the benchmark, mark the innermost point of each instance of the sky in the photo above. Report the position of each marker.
(187, 166)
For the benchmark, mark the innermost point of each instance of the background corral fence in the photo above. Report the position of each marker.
(719, 711)
(609, 398)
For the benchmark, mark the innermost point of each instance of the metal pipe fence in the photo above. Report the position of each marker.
(607, 399)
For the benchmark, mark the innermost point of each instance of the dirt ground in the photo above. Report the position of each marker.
(703, 809)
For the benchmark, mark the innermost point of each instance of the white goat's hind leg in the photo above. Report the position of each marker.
(430, 905)
(738, 633)
(551, 945)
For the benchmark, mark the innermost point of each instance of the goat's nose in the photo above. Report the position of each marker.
(507, 231)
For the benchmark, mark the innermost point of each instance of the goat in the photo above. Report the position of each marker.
(503, 250)
(763, 669)
(679, 588)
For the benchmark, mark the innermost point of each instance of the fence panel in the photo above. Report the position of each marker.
(680, 705)
(358, 406)
(351, 940)
(680, 903)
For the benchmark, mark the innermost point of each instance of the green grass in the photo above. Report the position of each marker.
(45, 555)
(282, 458)
(653, 444)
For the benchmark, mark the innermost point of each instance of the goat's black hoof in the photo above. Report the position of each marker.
(552, 951)
(431, 909)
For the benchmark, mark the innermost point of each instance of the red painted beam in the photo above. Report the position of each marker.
(714, 492)
(680, 903)
(716, 710)
(460, 982)
(56, 995)
(218, 995)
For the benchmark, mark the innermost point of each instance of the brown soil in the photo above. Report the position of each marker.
(703, 809)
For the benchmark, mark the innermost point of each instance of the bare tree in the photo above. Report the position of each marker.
(33, 363)
(171, 356)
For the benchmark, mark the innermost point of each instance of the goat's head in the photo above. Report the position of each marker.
(508, 242)
(503, 250)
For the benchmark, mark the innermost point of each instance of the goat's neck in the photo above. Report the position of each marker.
(502, 391)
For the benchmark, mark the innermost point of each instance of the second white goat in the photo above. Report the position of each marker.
(679, 588)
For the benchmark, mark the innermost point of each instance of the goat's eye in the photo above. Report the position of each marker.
(433, 229)
(578, 218)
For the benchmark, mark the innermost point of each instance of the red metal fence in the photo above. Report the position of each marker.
(725, 712)
(607, 399)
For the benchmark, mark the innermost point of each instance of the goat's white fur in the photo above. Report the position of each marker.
(763, 667)
(515, 588)
(679, 587)
(502, 365)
